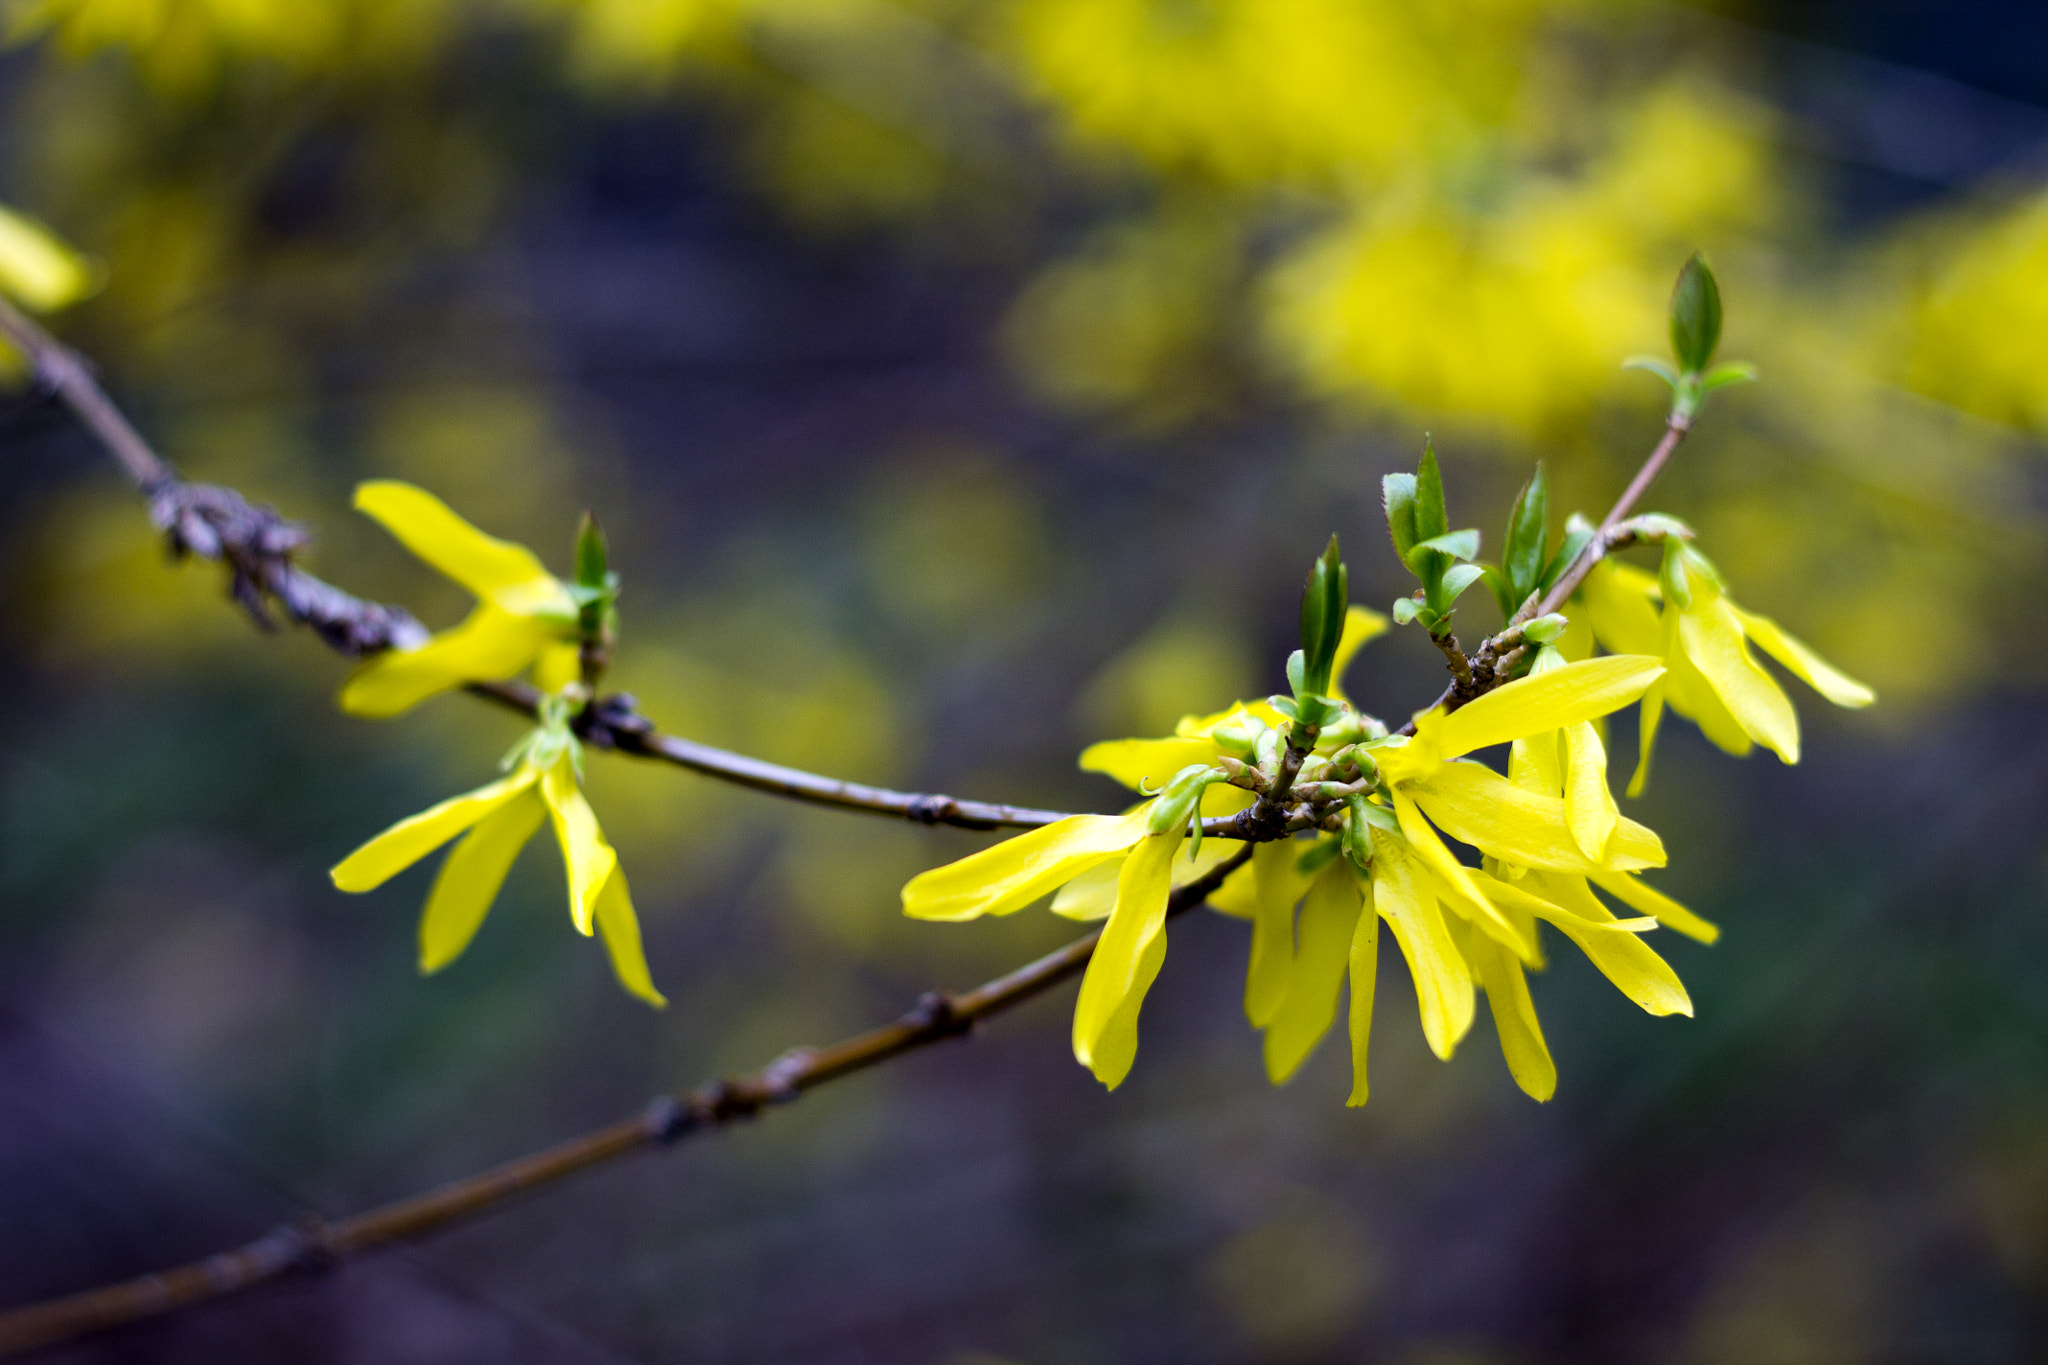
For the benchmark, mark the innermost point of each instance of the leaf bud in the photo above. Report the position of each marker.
(1695, 315)
(1544, 629)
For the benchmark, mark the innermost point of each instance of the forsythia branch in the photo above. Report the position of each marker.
(315, 1244)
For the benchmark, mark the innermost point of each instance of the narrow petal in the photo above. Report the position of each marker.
(1619, 603)
(1533, 764)
(1453, 878)
(1196, 727)
(1631, 964)
(1713, 641)
(428, 527)
(1279, 886)
(1404, 896)
(1823, 677)
(470, 877)
(557, 664)
(1090, 896)
(1145, 764)
(1365, 965)
(1361, 625)
(1638, 896)
(489, 646)
(1008, 876)
(1690, 694)
(412, 839)
(1549, 700)
(619, 927)
(1646, 736)
(1117, 1047)
(1474, 804)
(1588, 805)
(37, 269)
(1514, 1018)
(588, 859)
(1238, 897)
(1116, 977)
(1329, 914)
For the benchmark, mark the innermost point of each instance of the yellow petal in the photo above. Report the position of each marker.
(1533, 764)
(1365, 962)
(1577, 641)
(1514, 1018)
(557, 664)
(1618, 602)
(1688, 692)
(620, 929)
(470, 877)
(1404, 896)
(1823, 677)
(496, 570)
(1329, 914)
(1474, 804)
(1196, 727)
(1631, 964)
(1143, 764)
(1117, 979)
(1454, 880)
(1361, 624)
(1713, 641)
(588, 859)
(1090, 896)
(1117, 1048)
(1549, 700)
(1279, 886)
(1646, 736)
(1238, 897)
(1010, 875)
(1588, 806)
(1650, 901)
(412, 839)
(38, 270)
(489, 646)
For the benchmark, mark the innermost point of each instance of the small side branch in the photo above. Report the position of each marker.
(316, 1244)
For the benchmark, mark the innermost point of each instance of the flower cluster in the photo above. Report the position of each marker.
(525, 619)
(1351, 824)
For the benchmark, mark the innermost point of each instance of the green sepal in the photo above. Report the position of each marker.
(1695, 316)
(1182, 795)
(1284, 705)
(1672, 577)
(1357, 846)
(1380, 816)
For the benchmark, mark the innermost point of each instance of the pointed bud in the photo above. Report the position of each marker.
(593, 555)
(1695, 315)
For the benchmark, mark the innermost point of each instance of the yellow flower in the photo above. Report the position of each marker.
(499, 818)
(1448, 959)
(524, 615)
(1712, 679)
(1428, 786)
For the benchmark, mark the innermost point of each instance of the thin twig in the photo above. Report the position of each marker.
(315, 1244)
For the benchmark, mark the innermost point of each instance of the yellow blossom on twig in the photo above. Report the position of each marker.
(524, 617)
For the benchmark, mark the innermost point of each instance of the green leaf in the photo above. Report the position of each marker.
(1457, 580)
(1323, 601)
(1431, 520)
(1695, 315)
(1521, 556)
(1397, 495)
(1654, 366)
(1735, 372)
(1297, 672)
(1456, 544)
(1502, 590)
(593, 569)
(1405, 609)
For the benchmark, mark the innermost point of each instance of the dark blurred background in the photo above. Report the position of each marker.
(962, 383)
